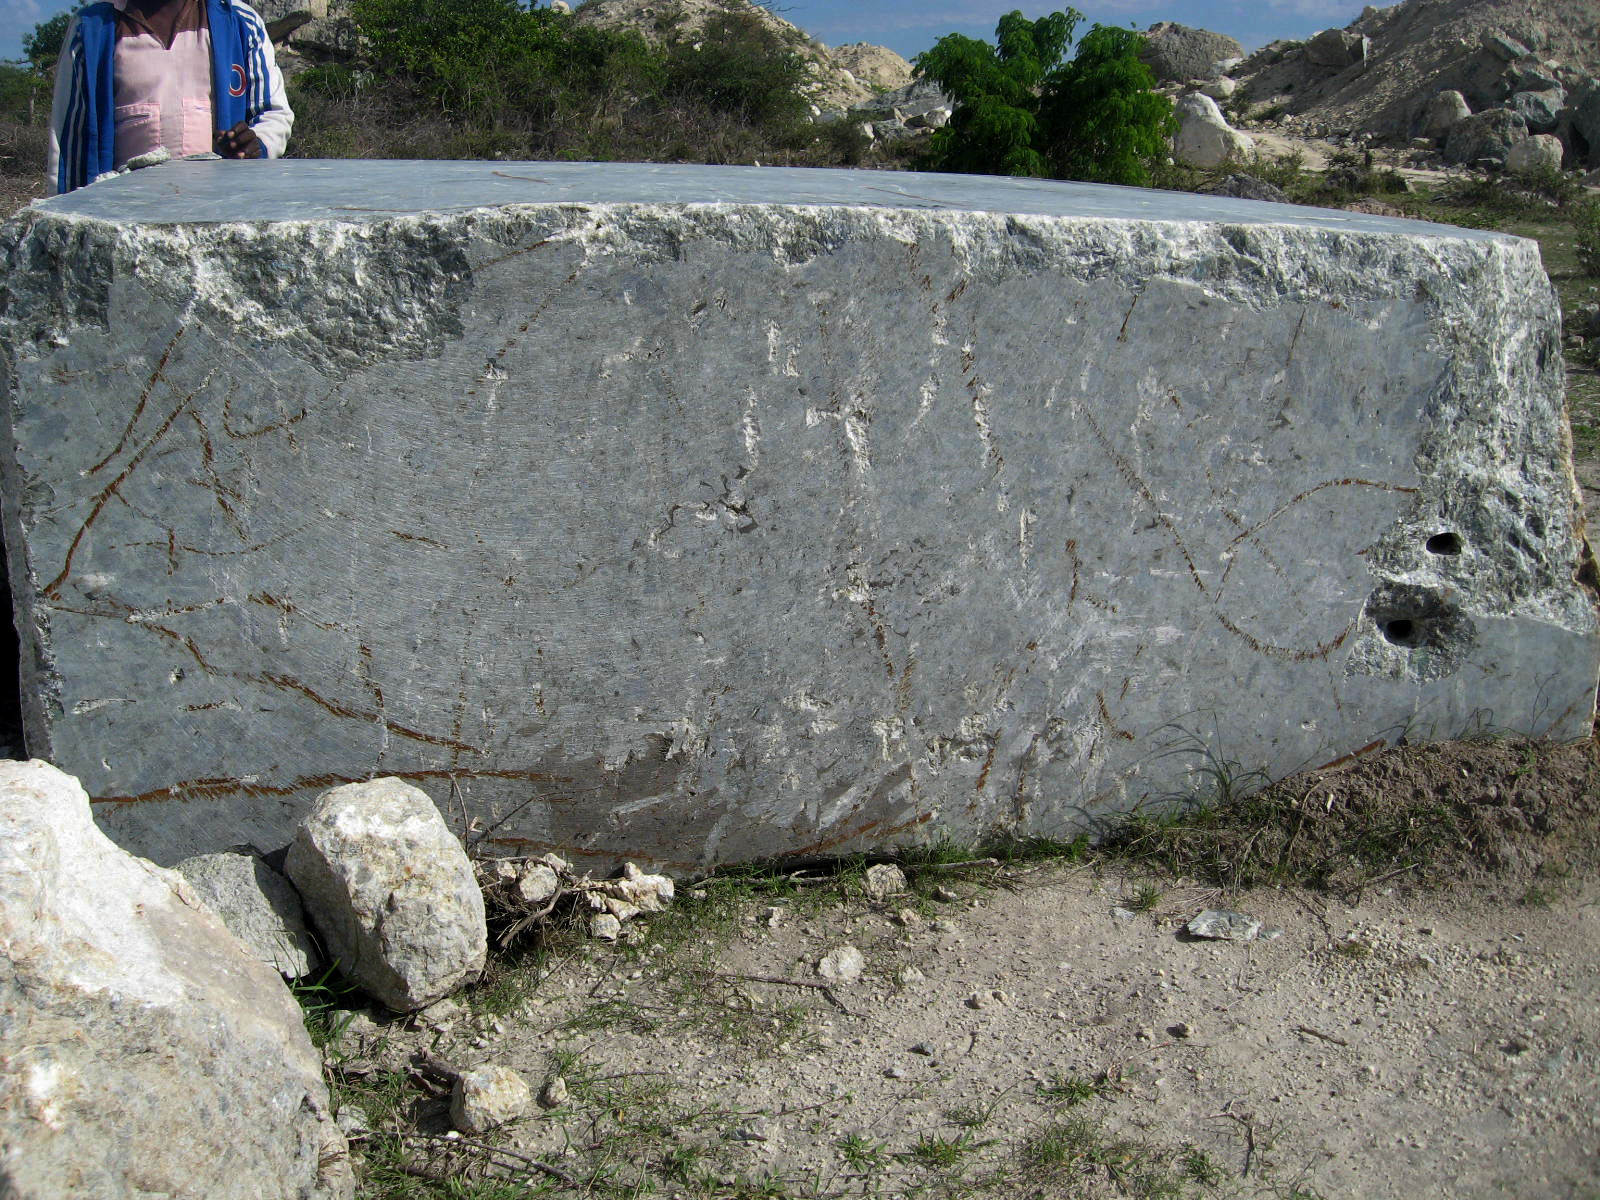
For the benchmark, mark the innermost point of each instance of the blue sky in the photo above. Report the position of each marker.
(910, 28)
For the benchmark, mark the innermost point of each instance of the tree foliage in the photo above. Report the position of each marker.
(42, 45)
(496, 61)
(1023, 108)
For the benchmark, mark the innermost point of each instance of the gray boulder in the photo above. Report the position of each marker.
(1506, 49)
(1541, 152)
(1540, 111)
(1176, 53)
(1248, 187)
(391, 891)
(1337, 49)
(1580, 124)
(259, 906)
(1531, 75)
(1442, 114)
(143, 1052)
(1486, 135)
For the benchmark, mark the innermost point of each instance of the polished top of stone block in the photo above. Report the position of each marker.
(367, 190)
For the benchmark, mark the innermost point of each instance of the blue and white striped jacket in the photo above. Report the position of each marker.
(246, 85)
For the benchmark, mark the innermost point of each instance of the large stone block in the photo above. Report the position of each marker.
(692, 515)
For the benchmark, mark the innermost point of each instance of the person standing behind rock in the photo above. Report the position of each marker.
(188, 76)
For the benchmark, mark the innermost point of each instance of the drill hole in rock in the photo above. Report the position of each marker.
(1424, 622)
(1445, 543)
(1402, 632)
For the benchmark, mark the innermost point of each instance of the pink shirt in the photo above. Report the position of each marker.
(163, 97)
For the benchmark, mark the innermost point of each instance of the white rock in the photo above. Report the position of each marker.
(621, 909)
(605, 927)
(486, 1097)
(1224, 925)
(537, 883)
(843, 964)
(1540, 152)
(1221, 88)
(1204, 138)
(259, 906)
(647, 893)
(883, 880)
(391, 891)
(143, 1051)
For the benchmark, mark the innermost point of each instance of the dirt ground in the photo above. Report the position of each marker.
(1051, 1030)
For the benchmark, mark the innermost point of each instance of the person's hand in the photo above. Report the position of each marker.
(239, 142)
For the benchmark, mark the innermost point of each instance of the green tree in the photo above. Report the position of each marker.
(42, 46)
(495, 62)
(1101, 117)
(1021, 108)
(994, 129)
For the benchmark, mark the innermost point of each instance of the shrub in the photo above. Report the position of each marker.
(1586, 228)
(741, 66)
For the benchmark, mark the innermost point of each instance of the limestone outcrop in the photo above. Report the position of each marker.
(143, 1052)
(689, 515)
(1177, 54)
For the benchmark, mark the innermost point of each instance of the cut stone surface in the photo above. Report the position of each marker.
(143, 1052)
(391, 891)
(259, 906)
(693, 514)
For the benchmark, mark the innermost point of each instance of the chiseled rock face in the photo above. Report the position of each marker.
(143, 1052)
(692, 515)
(259, 906)
(391, 891)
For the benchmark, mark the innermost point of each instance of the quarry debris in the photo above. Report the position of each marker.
(258, 905)
(486, 1097)
(391, 892)
(843, 964)
(1223, 925)
(130, 1018)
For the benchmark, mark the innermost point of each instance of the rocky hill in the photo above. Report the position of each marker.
(841, 78)
(1380, 73)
